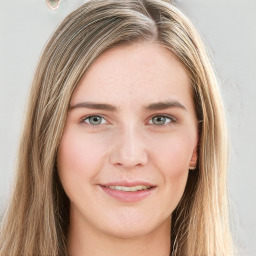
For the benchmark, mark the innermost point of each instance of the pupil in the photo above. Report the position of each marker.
(95, 120)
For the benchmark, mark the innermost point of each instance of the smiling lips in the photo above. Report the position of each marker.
(129, 193)
(129, 189)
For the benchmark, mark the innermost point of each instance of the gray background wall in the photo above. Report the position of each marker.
(228, 28)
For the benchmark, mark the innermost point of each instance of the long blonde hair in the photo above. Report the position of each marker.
(37, 219)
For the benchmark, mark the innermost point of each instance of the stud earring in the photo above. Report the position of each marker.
(192, 168)
(53, 4)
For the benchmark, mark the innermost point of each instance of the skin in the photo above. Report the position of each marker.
(127, 145)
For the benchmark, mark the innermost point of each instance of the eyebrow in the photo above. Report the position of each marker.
(165, 104)
(151, 107)
(93, 105)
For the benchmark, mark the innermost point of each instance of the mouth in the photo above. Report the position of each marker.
(130, 189)
(128, 192)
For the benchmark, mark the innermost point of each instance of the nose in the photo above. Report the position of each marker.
(129, 149)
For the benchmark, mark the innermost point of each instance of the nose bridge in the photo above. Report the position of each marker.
(130, 147)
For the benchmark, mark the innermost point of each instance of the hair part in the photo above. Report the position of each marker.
(37, 219)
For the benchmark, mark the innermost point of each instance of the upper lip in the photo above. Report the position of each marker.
(125, 183)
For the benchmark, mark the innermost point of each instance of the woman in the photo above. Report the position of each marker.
(124, 149)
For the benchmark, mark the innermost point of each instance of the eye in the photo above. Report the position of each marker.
(161, 120)
(94, 120)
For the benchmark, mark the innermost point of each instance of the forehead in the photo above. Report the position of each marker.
(145, 73)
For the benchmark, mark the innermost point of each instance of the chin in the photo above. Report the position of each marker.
(129, 228)
(130, 232)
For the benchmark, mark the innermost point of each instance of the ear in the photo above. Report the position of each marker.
(194, 157)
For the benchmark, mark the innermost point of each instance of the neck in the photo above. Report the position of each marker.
(83, 240)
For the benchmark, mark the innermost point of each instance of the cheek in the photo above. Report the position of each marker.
(173, 153)
(78, 162)
(78, 158)
(175, 162)
(172, 159)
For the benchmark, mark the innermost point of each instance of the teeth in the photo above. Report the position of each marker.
(129, 189)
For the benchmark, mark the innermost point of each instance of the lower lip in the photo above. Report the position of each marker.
(128, 197)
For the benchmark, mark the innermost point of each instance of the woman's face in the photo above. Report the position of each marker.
(129, 140)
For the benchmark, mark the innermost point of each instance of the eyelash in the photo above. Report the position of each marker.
(172, 121)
